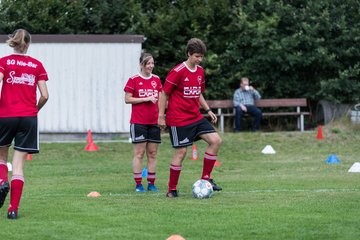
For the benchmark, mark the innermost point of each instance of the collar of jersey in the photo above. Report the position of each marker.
(145, 77)
(189, 68)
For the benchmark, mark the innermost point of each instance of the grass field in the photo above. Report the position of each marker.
(293, 194)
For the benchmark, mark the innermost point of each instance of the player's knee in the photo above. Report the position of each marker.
(216, 141)
(139, 155)
(180, 153)
(151, 155)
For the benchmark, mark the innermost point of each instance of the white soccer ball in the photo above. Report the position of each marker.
(202, 189)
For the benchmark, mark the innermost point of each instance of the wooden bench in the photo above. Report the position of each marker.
(297, 103)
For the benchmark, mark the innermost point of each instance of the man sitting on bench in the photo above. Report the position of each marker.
(244, 102)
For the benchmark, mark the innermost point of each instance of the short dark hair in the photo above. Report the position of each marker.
(195, 45)
(244, 79)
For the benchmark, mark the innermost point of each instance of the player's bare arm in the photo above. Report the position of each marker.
(44, 94)
(162, 106)
(205, 106)
(129, 99)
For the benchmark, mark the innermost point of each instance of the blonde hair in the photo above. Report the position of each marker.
(19, 40)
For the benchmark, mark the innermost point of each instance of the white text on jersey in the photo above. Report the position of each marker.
(20, 63)
(192, 91)
(148, 93)
(26, 79)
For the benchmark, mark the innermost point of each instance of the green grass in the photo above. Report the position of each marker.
(293, 194)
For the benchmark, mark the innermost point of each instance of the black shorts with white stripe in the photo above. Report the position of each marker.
(145, 133)
(24, 130)
(185, 135)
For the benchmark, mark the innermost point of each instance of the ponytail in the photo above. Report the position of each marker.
(19, 40)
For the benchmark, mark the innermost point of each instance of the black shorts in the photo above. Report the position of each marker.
(24, 130)
(185, 136)
(145, 133)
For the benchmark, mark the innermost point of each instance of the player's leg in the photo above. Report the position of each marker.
(139, 135)
(4, 183)
(151, 152)
(214, 142)
(4, 152)
(175, 170)
(8, 128)
(154, 139)
(181, 138)
(26, 141)
(139, 152)
(212, 138)
(17, 183)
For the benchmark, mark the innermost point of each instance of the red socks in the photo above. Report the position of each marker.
(209, 161)
(138, 178)
(17, 184)
(151, 177)
(3, 172)
(174, 176)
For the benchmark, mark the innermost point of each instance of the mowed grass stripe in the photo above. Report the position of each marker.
(293, 194)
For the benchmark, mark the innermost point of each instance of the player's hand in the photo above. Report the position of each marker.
(161, 122)
(152, 99)
(212, 116)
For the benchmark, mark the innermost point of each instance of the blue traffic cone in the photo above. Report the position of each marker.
(332, 159)
(144, 172)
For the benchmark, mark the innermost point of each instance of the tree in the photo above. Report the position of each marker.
(288, 48)
(296, 48)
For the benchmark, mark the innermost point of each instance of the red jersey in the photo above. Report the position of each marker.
(18, 93)
(141, 87)
(184, 87)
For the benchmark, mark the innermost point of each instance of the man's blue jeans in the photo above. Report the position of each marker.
(251, 110)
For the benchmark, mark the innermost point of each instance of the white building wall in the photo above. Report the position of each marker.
(86, 82)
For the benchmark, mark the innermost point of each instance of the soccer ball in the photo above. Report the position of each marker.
(202, 189)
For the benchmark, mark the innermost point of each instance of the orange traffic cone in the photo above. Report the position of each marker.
(91, 146)
(217, 164)
(194, 153)
(175, 237)
(29, 157)
(320, 133)
(89, 137)
(94, 194)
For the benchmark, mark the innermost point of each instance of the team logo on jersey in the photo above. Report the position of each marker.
(148, 93)
(199, 79)
(153, 83)
(25, 79)
(186, 79)
(192, 92)
(140, 83)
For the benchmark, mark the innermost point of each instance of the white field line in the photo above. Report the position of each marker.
(323, 190)
(188, 193)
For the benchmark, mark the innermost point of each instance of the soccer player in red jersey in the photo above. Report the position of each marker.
(143, 91)
(183, 92)
(20, 75)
